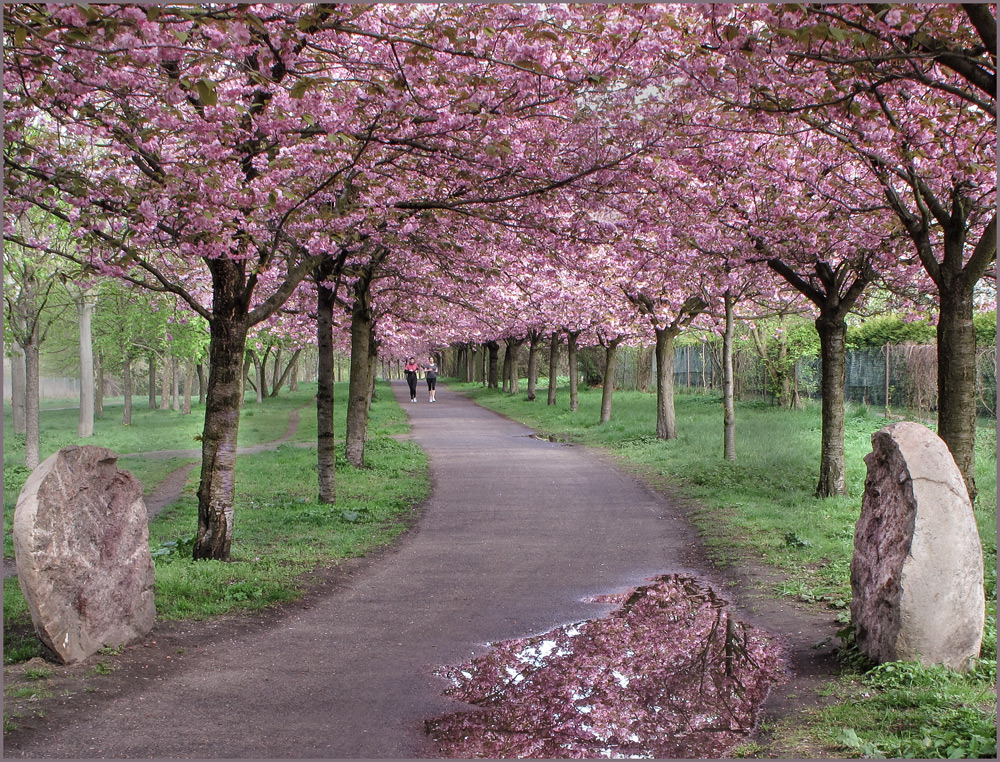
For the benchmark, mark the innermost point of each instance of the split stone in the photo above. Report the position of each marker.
(917, 569)
(81, 545)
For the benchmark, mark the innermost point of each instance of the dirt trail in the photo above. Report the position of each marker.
(519, 536)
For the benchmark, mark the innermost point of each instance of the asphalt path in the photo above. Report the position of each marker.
(516, 534)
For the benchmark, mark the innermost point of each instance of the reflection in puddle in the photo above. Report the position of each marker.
(670, 674)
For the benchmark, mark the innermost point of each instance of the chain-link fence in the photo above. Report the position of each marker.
(895, 376)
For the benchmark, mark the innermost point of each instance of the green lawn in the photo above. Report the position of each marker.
(281, 531)
(762, 508)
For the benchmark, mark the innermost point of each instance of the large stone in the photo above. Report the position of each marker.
(917, 570)
(81, 544)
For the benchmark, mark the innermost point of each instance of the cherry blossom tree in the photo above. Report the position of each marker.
(813, 217)
(911, 91)
(232, 150)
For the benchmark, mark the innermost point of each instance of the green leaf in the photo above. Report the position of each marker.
(88, 11)
(526, 63)
(849, 738)
(206, 92)
(78, 35)
(299, 88)
(20, 35)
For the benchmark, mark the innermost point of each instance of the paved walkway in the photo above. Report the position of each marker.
(516, 534)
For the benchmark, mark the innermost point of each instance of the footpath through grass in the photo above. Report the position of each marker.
(281, 531)
(762, 509)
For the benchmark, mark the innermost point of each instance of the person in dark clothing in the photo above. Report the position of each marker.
(432, 374)
(410, 371)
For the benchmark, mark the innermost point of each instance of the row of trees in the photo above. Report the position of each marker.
(122, 342)
(889, 362)
(429, 175)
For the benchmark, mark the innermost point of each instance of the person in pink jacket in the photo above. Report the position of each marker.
(410, 371)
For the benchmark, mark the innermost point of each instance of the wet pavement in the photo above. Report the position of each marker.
(671, 674)
(519, 537)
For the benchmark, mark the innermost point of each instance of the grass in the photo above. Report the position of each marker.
(281, 530)
(761, 509)
(904, 710)
(280, 533)
(153, 429)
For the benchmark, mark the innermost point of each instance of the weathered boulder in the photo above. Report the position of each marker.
(917, 570)
(81, 544)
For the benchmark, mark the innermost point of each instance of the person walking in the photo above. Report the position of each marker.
(432, 374)
(410, 371)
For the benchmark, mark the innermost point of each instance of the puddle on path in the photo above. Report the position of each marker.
(548, 438)
(670, 674)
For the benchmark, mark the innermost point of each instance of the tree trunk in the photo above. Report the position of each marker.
(188, 387)
(260, 366)
(832, 465)
(217, 490)
(293, 382)
(372, 374)
(99, 385)
(505, 373)
(17, 388)
(610, 353)
(201, 383)
(127, 391)
(165, 384)
(289, 371)
(360, 382)
(704, 367)
(666, 418)
(553, 366)
(513, 347)
(325, 449)
(534, 337)
(277, 377)
(956, 370)
(574, 375)
(175, 384)
(644, 366)
(244, 377)
(32, 441)
(25, 323)
(152, 382)
(85, 312)
(728, 404)
(494, 350)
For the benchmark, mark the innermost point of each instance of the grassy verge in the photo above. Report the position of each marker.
(153, 429)
(762, 509)
(281, 531)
